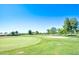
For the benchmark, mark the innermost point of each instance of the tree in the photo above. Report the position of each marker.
(70, 25)
(13, 33)
(16, 32)
(30, 32)
(48, 31)
(67, 25)
(37, 32)
(53, 30)
(62, 31)
(5, 33)
(74, 24)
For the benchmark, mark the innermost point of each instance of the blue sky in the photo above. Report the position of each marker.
(23, 17)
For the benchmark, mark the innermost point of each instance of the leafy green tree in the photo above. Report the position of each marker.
(5, 33)
(70, 25)
(13, 33)
(74, 24)
(30, 32)
(16, 33)
(48, 31)
(53, 30)
(37, 32)
(62, 31)
(67, 25)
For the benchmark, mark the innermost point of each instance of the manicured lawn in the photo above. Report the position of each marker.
(8, 43)
(39, 45)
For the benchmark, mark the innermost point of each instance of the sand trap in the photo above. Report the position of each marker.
(56, 37)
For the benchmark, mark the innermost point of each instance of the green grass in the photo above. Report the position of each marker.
(8, 43)
(39, 45)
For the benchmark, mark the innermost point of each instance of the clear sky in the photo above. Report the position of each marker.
(23, 17)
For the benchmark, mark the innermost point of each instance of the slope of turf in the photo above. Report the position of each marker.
(8, 43)
(49, 46)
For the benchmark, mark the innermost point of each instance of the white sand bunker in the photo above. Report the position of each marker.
(56, 37)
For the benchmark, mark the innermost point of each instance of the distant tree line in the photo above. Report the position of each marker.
(33, 33)
(14, 33)
(53, 30)
(70, 27)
